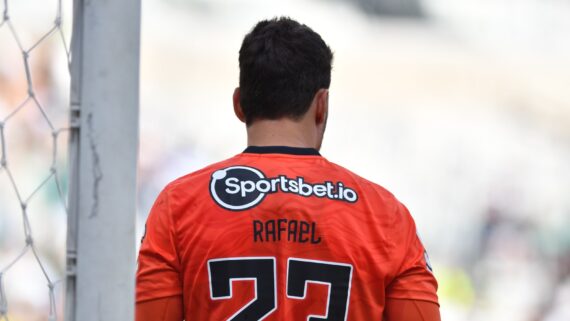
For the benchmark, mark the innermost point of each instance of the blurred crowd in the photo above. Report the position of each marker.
(460, 108)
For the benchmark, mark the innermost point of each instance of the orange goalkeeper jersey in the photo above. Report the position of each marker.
(280, 233)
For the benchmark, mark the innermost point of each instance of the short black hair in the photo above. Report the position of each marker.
(282, 66)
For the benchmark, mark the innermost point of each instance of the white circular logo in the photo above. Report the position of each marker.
(236, 188)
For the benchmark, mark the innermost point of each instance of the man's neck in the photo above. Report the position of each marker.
(282, 132)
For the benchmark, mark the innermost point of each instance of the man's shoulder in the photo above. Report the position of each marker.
(203, 176)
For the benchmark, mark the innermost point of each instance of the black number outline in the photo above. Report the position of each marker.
(312, 317)
(254, 279)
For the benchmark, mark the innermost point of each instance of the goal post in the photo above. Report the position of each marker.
(101, 258)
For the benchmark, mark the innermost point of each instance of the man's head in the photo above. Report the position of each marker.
(284, 67)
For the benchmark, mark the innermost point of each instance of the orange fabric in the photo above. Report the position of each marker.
(163, 309)
(411, 310)
(195, 244)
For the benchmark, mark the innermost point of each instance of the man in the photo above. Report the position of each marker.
(278, 232)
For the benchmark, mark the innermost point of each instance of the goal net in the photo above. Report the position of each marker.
(68, 143)
(34, 86)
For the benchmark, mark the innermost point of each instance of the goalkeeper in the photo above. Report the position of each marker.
(278, 232)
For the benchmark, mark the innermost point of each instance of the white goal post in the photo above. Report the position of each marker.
(101, 258)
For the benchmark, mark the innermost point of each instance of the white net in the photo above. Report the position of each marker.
(34, 87)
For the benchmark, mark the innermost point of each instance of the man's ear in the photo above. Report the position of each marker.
(322, 106)
(237, 106)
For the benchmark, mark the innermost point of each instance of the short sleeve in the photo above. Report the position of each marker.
(414, 279)
(158, 273)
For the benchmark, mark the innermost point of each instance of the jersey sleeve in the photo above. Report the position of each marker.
(158, 273)
(165, 309)
(411, 310)
(414, 279)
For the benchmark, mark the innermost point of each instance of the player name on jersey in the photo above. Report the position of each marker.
(285, 230)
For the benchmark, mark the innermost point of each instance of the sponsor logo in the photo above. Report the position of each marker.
(238, 188)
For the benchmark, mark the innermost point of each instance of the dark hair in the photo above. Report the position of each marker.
(282, 66)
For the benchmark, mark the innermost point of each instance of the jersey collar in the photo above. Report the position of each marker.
(281, 150)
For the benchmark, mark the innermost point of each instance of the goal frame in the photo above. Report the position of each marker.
(103, 147)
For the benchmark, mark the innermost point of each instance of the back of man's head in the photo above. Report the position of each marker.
(282, 66)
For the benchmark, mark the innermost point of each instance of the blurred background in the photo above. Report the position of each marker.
(461, 108)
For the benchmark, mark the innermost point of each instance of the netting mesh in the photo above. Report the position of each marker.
(13, 155)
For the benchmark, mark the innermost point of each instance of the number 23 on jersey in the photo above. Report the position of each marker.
(262, 271)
